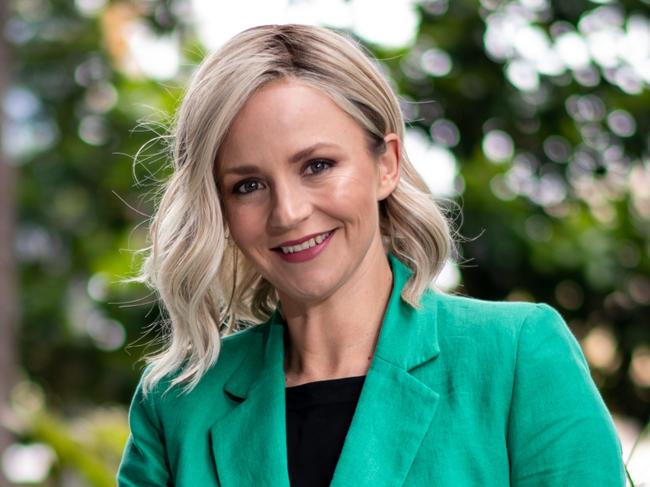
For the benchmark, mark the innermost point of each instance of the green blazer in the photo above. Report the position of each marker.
(461, 392)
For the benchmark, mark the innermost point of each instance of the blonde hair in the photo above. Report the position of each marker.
(206, 284)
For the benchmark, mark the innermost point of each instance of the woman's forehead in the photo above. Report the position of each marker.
(285, 100)
(288, 115)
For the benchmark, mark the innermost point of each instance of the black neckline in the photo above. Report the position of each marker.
(317, 383)
(324, 393)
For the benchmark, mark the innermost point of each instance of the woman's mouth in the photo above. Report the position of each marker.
(306, 250)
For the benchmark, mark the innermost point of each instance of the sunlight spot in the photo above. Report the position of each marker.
(386, 22)
(640, 366)
(445, 132)
(27, 464)
(97, 286)
(557, 148)
(93, 130)
(20, 103)
(157, 56)
(621, 123)
(435, 163)
(603, 47)
(215, 24)
(522, 75)
(449, 278)
(107, 334)
(532, 42)
(436, 62)
(600, 348)
(332, 13)
(572, 49)
(90, 8)
(498, 146)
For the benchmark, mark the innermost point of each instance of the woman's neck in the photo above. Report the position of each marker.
(337, 337)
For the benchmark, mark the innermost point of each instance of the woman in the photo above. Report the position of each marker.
(293, 205)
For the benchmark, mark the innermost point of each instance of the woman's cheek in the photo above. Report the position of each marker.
(348, 187)
(237, 218)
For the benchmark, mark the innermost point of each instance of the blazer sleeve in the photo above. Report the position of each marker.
(143, 462)
(559, 429)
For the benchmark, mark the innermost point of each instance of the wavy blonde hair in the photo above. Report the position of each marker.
(206, 284)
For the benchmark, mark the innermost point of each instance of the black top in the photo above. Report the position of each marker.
(318, 418)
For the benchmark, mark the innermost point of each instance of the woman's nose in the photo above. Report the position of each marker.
(290, 206)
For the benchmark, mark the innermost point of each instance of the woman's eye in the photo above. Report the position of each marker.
(319, 165)
(246, 187)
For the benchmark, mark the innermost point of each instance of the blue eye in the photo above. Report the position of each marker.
(313, 167)
(245, 187)
(320, 165)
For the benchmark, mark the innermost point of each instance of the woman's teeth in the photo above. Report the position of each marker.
(312, 242)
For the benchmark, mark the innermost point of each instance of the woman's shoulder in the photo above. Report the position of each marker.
(503, 323)
(511, 344)
(233, 350)
(482, 313)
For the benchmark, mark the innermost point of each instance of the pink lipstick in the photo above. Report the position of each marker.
(306, 254)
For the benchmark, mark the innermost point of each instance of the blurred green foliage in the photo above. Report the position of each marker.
(553, 182)
(89, 446)
(565, 217)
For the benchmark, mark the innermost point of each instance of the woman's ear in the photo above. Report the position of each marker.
(389, 166)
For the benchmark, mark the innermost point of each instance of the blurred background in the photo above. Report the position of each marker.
(532, 116)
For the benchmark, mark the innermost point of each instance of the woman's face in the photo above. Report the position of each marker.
(293, 166)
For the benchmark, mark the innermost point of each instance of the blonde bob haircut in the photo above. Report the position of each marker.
(206, 284)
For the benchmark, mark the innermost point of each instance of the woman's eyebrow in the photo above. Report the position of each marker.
(297, 157)
(241, 170)
(305, 153)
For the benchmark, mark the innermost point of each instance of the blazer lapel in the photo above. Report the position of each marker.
(249, 442)
(394, 411)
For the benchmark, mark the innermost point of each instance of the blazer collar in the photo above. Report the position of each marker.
(392, 416)
(408, 336)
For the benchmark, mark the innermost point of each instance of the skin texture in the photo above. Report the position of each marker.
(334, 303)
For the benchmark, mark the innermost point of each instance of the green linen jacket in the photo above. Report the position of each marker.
(460, 392)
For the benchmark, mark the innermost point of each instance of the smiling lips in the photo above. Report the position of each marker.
(306, 244)
(306, 249)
